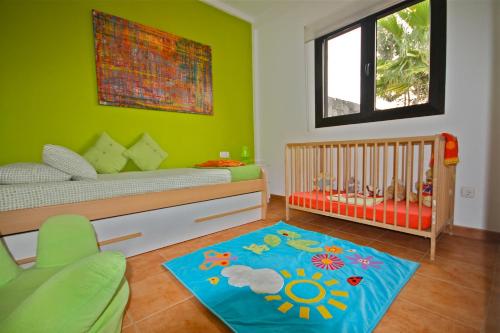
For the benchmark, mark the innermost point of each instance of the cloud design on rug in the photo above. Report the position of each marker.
(260, 281)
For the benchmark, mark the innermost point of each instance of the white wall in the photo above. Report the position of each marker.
(283, 104)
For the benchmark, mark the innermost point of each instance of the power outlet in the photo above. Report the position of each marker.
(468, 192)
(224, 154)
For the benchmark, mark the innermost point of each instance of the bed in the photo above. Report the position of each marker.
(136, 212)
(378, 182)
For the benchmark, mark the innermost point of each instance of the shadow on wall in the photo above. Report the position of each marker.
(492, 323)
(493, 203)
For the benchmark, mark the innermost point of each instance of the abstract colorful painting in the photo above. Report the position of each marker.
(143, 67)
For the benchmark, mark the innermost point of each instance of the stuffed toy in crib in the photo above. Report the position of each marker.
(401, 191)
(426, 190)
(324, 181)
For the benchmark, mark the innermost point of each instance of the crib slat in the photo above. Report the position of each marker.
(331, 177)
(315, 173)
(304, 177)
(308, 177)
(364, 179)
(311, 175)
(338, 179)
(408, 182)
(396, 167)
(356, 179)
(385, 182)
(420, 182)
(297, 170)
(375, 179)
(348, 176)
(324, 177)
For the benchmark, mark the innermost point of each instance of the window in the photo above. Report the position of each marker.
(389, 65)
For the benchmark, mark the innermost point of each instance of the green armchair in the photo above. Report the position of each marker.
(72, 287)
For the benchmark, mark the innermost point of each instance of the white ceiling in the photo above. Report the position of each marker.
(312, 10)
(252, 8)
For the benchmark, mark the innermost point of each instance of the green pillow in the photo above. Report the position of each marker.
(106, 155)
(146, 153)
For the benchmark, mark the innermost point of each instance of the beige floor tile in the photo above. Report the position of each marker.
(177, 250)
(493, 316)
(362, 230)
(155, 293)
(466, 250)
(309, 226)
(184, 317)
(406, 317)
(144, 265)
(477, 277)
(460, 304)
(303, 216)
(129, 329)
(126, 320)
(350, 237)
(413, 242)
(329, 222)
(398, 251)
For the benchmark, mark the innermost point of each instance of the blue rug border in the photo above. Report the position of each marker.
(199, 300)
(382, 311)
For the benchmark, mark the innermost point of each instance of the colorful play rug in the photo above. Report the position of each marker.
(286, 279)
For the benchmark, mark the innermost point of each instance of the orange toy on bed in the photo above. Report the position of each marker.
(220, 164)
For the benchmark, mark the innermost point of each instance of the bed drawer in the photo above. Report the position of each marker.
(162, 227)
(142, 232)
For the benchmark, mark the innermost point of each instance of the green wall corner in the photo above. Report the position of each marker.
(48, 91)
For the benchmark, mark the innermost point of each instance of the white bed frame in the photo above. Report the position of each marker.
(141, 223)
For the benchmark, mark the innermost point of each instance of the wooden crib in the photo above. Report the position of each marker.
(356, 181)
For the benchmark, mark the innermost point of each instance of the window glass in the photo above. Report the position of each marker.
(403, 58)
(343, 82)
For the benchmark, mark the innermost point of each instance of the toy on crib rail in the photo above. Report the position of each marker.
(426, 190)
(323, 181)
(401, 193)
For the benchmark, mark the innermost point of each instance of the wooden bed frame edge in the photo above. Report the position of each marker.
(30, 219)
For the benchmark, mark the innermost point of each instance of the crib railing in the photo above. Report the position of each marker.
(319, 176)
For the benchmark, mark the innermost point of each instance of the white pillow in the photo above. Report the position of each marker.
(20, 173)
(68, 161)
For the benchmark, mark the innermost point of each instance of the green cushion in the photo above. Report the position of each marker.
(73, 299)
(17, 290)
(110, 320)
(8, 268)
(146, 153)
(245, 172)
(63, 239)
(106, 155)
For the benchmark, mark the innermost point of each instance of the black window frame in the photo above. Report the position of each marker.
(436, 102)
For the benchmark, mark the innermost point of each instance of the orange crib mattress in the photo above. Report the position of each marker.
(315, 200)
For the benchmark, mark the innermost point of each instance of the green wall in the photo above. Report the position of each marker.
(48, 88)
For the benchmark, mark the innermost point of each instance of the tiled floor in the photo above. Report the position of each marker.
(452, 294)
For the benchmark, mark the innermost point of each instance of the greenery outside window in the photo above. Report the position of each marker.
(389, 65)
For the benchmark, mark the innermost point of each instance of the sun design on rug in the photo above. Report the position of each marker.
(316, 298)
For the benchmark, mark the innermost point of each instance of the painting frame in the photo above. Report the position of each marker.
(143, 67)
